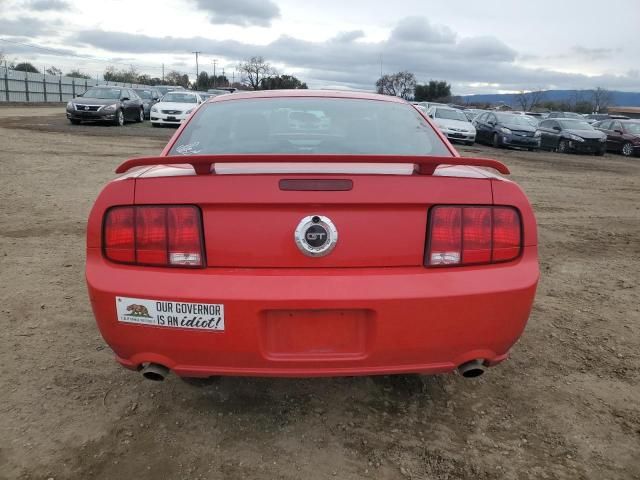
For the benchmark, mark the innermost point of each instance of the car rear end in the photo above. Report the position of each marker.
(291, 265)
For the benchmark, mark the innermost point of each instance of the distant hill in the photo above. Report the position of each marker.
(620, 99)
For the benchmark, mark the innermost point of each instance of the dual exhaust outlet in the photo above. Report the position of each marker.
(157, 373)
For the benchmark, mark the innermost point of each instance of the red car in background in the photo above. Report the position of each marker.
(310, 233)
(623, 136)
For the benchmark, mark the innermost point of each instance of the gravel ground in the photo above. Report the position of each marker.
(566, 405)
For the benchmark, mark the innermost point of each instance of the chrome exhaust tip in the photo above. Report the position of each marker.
(155, 372)
(472, 369)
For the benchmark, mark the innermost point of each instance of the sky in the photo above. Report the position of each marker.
(490, 46)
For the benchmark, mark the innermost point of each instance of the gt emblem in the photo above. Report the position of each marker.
(86, 108)
(316, 236)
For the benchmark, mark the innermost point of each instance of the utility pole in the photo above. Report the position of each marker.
(197, 72)
(223, 74)
(215, 62)
(163, 73)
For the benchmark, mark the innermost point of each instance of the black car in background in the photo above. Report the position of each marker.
(115, 105)
(573, 115)
(571, 135)
(150, 96)
(506, 130)
(623, 136)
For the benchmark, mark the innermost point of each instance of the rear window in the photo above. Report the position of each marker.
(308, 126)
(177, 97)
(450, 114)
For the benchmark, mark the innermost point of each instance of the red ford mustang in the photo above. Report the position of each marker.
(302, 233)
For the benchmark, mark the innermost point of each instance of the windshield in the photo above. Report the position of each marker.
(144, 94)
(176, 97)
(575, 124)
(450, 114)
(633, 128)
(510, 119)
(105, 93)
(308, 126)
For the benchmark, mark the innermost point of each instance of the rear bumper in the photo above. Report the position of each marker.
(397, 320)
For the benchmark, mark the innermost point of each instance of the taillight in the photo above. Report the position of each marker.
(154, 235)
(461, 235)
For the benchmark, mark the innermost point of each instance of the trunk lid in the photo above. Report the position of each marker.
(250, 220)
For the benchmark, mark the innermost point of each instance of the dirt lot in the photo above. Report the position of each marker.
(566, 405)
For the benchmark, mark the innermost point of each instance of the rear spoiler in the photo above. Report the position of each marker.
(202, 163)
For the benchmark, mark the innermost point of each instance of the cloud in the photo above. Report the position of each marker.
(419, 30)
(24, 26)
(594, 53)
(431, 52)
(47, 5)
(240, 12)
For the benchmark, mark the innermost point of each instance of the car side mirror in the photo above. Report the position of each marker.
(557, 129)
(155, 99)
(619, 131)
(124, 99)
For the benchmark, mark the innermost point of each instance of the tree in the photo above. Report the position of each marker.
(527, 101)
(53, 71)
(433, 91)
(282, 82)
(583, 106)
(112, 74)
(76, 73)
(176, 78)
(26, 67)
(601, 99)
(254, 70)
(401, 84)
(202, 82)
(144, 79)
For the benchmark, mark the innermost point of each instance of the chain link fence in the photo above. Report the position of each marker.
(18, 86)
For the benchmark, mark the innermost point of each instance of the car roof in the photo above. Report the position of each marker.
(304, 93)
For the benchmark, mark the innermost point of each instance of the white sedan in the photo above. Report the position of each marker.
(174, 108)
(454, 124)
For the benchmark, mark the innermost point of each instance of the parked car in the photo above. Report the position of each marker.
(149, 96)
(454, 124)
(164, 89)
(506, 130)
(174, 108)
(576, 116)
(596, 117)
(472, 113)
(623, 136)
(115, 105)
(288, 261)
(214, 92)
(571, 135)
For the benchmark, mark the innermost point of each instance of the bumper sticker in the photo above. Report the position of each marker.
(162, 313)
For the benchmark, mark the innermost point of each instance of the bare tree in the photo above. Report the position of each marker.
(601, 99)
(527, 101)
(53, 71)
(401, 84)
(254, 70)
